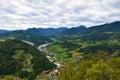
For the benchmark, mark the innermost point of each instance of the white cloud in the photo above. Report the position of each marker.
(22, 14)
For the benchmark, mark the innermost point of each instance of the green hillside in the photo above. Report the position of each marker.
(21, 60)
(105, 38)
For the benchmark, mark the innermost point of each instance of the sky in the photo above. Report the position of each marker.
(23, 14)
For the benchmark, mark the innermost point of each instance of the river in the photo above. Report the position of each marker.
(42, 48)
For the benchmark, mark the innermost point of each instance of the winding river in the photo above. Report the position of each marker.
(42, 48)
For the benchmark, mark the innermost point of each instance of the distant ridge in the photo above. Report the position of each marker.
(3, 31)
(43, 35)
(115, 26)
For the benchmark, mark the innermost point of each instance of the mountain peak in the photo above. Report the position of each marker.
(116, 22)
(81, 27)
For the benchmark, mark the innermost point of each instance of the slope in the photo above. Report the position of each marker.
(21, 60)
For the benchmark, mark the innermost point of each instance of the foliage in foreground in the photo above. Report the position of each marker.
(92, 67)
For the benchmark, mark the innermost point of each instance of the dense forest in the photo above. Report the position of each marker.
(21, 61)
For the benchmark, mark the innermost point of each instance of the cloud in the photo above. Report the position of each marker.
(23, 14)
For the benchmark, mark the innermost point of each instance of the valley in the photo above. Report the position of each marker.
(77, 53)
(49, 55)
(59, 39)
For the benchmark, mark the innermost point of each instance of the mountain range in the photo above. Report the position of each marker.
(3, 31)
(44, 35)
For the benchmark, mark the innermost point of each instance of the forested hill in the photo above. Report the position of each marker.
(21, 60)
(108, 27)
(94, 33)
(35, 35)
(27, 35)
(102, 32)
(74, 30)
